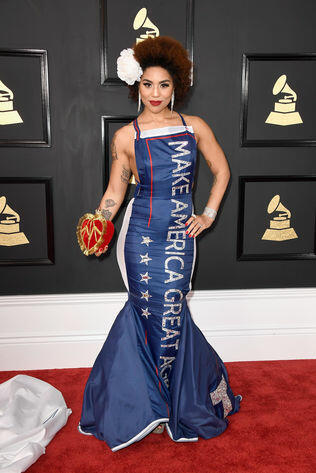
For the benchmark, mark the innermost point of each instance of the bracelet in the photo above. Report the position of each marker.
(210, 212)
(102, 212)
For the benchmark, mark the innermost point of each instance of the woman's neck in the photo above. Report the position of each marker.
(165, 117)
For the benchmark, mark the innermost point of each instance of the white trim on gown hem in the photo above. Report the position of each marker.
(141, 434)
(182, 439)
(82, 431)
(149, 428)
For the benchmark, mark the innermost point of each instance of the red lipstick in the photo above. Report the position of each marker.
(155, 102)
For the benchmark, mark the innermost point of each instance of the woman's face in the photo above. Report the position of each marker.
(156, 87)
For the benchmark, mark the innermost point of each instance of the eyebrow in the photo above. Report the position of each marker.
(165, 80)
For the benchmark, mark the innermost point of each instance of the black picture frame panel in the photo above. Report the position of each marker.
(259, 72)
(31, 198)
(253, 218)
(25, 72)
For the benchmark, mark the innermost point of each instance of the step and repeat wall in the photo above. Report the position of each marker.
(61, 102)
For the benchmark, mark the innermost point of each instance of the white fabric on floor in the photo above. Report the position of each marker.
(31, 412)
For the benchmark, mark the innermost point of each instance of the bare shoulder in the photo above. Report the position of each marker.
(202, 130)
(198, 124)
(123, 137)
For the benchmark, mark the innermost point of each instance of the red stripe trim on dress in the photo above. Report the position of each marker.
(151, 183)
(158, 378)
(137, 129)
(169, 136)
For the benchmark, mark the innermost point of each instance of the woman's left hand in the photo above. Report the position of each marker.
(197, 223)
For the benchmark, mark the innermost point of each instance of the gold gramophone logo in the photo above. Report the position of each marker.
(280, 224)
(284, 112)
(8, 116)
(10, 234)
(141, 20)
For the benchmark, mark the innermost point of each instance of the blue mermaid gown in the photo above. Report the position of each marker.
(156, 365)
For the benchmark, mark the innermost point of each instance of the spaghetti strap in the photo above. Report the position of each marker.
(135, 123)
(183, 121)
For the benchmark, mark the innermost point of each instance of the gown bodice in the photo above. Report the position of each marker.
(165, 159)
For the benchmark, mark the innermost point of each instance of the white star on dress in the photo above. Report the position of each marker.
(146, 312)
(145, 277)
(146, 240)
(145, 258)
(145, 295)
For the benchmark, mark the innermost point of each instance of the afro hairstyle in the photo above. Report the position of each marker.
(168, 53)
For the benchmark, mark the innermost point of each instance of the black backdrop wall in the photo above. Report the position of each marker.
(240, 49)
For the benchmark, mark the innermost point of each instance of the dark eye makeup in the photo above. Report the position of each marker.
(163, 84)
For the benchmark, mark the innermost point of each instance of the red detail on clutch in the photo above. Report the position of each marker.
(94, 232)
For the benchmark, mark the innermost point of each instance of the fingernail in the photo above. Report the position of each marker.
(194, 236)
(190, 235)
(185, 223)
(187, 231)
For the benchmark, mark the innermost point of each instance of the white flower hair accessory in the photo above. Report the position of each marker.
(128, 69)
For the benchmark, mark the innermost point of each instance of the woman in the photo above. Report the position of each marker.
(156, 367)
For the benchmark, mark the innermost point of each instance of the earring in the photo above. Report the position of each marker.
(172, 101)
(139, 101)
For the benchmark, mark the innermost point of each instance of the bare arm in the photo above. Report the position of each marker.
(216, 161)
(119, 176)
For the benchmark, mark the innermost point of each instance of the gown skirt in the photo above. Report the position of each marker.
(156, 366)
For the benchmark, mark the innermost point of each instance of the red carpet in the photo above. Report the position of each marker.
(274, 432)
